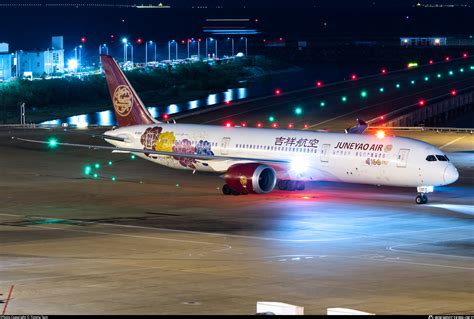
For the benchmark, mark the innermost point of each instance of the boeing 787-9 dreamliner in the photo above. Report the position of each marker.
(256, 160)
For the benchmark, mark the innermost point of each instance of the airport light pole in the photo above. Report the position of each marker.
(199, 48)
(245, 44)
(232, 41)
(124, 41)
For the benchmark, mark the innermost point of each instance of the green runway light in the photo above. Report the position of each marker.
(426, 78)
(451, 72)
(322, 104)
(110, 163)
(363, 94)
(438, 75)
(133, 157)
(298, 111)
(87, 170)
(97, 165)
(271, 119)
(412, 82)
(461, 70)
(381, 90)
(96, 175)
(471, 67)
(113, 179)
(397, 85)
(344, 99)
(52, 142)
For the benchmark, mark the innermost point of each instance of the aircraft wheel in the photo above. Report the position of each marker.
(226, 189)
(421, 199)
(282, 184)
(300, 186)
(291, 185)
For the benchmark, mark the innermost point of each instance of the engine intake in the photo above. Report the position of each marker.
(251, 178)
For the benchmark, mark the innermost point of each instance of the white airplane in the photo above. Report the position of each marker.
(255, 160)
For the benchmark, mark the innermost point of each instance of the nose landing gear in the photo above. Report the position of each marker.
(421, 198)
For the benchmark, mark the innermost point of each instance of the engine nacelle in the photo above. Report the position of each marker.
(251, 178)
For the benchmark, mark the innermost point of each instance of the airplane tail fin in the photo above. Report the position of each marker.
(129, 109)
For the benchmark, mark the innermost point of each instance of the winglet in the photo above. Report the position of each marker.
(129, 109)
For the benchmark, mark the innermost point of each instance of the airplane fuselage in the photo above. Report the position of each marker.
(318, 156)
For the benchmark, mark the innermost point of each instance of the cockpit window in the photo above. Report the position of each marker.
(442, 158)
(431, 158)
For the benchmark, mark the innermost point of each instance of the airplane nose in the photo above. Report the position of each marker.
(450, 174)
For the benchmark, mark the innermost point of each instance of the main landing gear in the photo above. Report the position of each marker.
(421, 198)
(226, 190)
(288, 185)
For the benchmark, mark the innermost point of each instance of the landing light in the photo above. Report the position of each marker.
(412, 64)
(299, 165)
(380, 134)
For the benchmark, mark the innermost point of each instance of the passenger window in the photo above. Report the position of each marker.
(430, 158)
(441, 158)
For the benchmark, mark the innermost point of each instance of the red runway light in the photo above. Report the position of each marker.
(277, 91)
(447, 58)
(306, 126)
(353, 76)
(166, 116)
(227, 102)
(83, 39)
(275, 125)
(453, 92)
(421, 102)
(464, 55)
(384, 71)
(228, 124)
(319, 83)
(290, 125)
(431, 62)
(259, 124)
(243, 124)
(139, 40)
(382, 117)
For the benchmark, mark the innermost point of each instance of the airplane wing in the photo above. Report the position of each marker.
(358, 129)
(144, 151)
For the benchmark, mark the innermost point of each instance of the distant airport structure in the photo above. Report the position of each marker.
(5, 63)
(42, 62)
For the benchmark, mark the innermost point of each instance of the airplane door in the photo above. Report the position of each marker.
(225, 145)
(402, 157)
(325, 152)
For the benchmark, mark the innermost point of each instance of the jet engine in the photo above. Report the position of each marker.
(249, 178)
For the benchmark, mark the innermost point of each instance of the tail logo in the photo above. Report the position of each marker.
(123, 100)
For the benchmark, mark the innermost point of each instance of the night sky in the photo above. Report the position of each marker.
(32, 27)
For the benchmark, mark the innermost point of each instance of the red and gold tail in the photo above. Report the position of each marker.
(129, 109)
